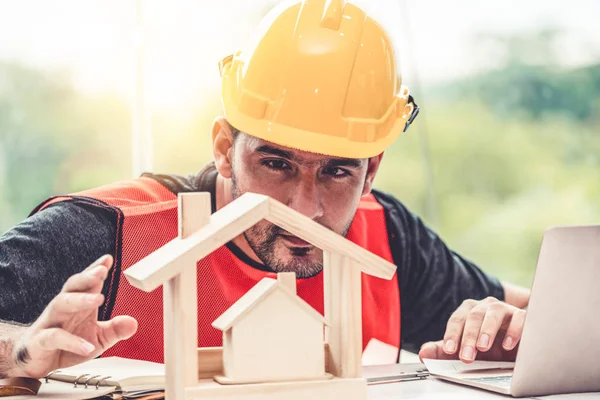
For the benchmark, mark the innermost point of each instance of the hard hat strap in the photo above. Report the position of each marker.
(414, 113)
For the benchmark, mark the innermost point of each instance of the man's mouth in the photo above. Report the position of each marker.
(295, 241)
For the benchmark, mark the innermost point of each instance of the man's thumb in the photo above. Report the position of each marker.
(119, 328)
(429, 350)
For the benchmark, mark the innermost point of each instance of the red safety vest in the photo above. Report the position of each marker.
(147, 220)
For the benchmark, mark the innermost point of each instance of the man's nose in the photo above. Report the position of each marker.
(305, 199)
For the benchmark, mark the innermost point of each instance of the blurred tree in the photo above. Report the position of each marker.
(49, 136)
(526, 77)
(515, 149)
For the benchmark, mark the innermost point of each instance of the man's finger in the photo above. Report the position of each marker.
(73, 302)
(455, 326)
(470, 334)
(514, 330)
(119, 328)
(106, 260)
(59, 339)
(86, 281)
(492, 323)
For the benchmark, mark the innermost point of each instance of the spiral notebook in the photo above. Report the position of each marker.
(100, 377)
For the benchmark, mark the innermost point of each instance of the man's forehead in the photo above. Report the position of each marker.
(260, 145)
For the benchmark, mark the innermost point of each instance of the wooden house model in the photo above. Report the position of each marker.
(277, 335)
(324, 353)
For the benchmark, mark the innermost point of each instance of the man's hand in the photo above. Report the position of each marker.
(487, 330)
(68, 331)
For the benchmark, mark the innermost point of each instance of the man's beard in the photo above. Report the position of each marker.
(262, 239)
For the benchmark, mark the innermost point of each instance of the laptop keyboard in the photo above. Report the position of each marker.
(499, 381)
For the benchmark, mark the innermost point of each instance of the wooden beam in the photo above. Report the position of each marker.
(211, 361)
(288, 280)
(181, 304)
(193, 212)
(346, 389)
(181, 330)
(168, 261)
(325, 239)
(343, 312)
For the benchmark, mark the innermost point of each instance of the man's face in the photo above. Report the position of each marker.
(323, 188)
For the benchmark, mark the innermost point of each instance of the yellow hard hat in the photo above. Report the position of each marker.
(318, 76)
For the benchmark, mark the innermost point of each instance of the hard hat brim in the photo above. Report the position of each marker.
(313, 142)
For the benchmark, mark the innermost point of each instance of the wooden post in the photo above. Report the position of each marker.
(288, 280)
(194, 211)
(181, 304)
(343, 312)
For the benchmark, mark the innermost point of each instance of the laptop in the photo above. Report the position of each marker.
(559, 350)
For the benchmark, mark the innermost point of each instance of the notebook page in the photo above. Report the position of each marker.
(123, 372)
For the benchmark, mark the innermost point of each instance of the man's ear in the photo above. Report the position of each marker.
(372, 168)
(222, 144)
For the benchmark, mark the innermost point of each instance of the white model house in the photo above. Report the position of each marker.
(251, 363)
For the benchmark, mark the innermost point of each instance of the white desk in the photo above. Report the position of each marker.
(432, 389)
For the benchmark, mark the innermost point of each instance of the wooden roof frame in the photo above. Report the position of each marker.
(232, 220)
(200, 233)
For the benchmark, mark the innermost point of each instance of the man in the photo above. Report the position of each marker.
(310, 107)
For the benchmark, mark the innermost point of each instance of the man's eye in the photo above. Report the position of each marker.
(335, 172)
(276, 164)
